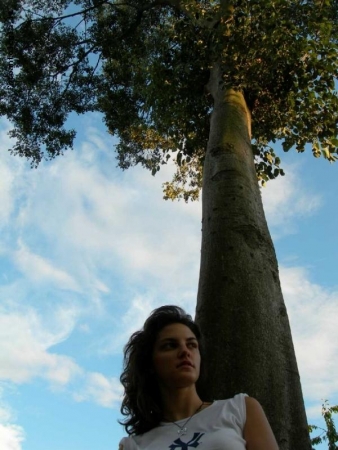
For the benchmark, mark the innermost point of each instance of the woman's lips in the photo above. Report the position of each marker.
(185, 364)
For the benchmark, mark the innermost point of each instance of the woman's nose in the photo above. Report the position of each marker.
(184, 351)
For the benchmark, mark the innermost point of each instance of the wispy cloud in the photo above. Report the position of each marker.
(109, 247)
(6, 182)
(39, 270)
(286, 199)
(99, 389)
(24, 355)
(11, 434)
(132, 320)
(313, 312)
(138, 309)
(91, 220)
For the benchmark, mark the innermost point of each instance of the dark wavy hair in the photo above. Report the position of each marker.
(142, 401)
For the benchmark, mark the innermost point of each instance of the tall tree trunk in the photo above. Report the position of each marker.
(240, 306)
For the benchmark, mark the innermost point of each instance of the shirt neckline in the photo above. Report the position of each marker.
(186, 418)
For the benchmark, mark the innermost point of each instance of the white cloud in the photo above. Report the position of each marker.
(137, 313)
(24, 344)
(96, 218)
(84, 328)
(103, 391)
(39, 270)
(6, 181)
(93, 219)
(11, 437)
(100, 219)
(11, 176)
(132, 320)
(4, 415)
(285, 199)
(139, 308)
(313, 312)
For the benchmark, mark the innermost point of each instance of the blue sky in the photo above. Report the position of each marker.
(87, 251)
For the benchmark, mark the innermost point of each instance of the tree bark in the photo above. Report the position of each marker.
(240, 307)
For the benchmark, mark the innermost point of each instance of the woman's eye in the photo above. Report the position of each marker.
(173, 345)
(168, 345)
(193, 345)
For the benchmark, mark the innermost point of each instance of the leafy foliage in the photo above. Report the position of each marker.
(330, 435)
(145, 66)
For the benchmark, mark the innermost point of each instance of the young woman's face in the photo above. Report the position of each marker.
(176, 356)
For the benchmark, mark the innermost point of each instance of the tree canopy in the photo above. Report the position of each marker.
(145, 66)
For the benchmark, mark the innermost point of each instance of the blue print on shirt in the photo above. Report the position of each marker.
(194, 442)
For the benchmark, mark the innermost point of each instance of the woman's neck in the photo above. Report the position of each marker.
(180, 403)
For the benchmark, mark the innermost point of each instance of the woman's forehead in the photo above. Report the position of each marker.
(176, 331)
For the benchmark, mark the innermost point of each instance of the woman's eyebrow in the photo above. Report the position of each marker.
(171, 339)
(168, 339)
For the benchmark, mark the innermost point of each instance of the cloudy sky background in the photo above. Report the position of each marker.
(87, 251)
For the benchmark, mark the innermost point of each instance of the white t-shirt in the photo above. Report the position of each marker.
(218, 427)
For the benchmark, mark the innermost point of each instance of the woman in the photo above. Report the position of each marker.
(162, 364)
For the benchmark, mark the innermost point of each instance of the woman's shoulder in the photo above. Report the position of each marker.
(236, 397)
(127, 443)
(236, 400)
(234, 406)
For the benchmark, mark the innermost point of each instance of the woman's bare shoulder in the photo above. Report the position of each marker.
(257, 430)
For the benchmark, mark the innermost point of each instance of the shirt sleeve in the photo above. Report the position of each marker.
(238, 403)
